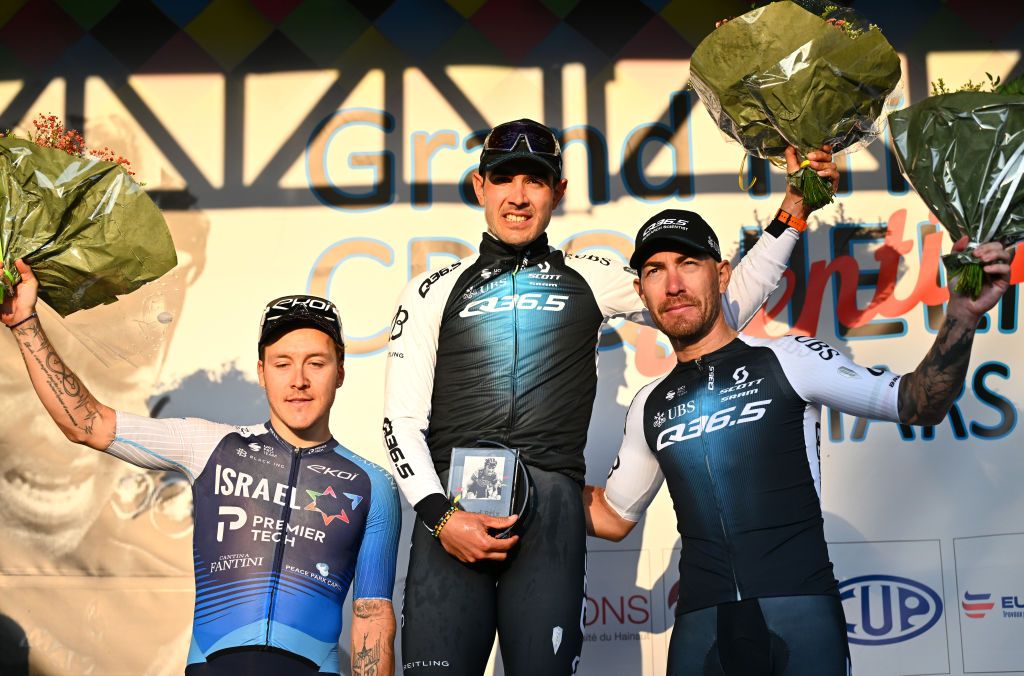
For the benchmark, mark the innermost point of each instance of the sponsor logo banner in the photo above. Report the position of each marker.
(618, 616)
(990, 591)
(892, 598)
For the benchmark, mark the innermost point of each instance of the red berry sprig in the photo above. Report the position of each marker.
(50, 133)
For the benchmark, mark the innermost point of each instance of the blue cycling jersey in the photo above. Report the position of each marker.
(281, 533)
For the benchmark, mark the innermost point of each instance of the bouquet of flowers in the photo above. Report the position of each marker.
(784, 75)
(78, 218)
(964, 154)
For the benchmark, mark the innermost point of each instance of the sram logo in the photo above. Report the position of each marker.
(754, 410)
(526, 301)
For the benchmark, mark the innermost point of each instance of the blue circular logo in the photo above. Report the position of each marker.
(885, 609)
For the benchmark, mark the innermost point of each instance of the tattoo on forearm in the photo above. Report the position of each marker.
(930, 390)
(368, 608)
(376, 657)
(366, 661)
(78, 404)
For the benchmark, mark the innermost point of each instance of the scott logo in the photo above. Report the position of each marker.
(739, 376)
(545, 272)
(886, 609)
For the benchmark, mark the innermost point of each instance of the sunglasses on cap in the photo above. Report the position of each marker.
(506, 137)
(302, 310)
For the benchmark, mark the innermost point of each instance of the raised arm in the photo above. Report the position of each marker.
(759, 272)
(76, 411)
(927, 393)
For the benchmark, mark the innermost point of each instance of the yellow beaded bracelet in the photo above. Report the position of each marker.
(444, 520)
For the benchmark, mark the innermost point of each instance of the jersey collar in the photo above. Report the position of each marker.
(494, 247)
(308, 450)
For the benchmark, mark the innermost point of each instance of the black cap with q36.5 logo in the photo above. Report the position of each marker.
(674, 230)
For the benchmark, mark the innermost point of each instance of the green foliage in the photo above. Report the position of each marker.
(995, 85)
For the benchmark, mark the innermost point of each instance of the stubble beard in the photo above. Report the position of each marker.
(687, 331)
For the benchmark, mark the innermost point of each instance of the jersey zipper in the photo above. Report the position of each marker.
(714, 486)
(515, 351)
(279, 554)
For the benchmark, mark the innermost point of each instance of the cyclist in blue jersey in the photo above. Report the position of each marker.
(286, 518)
(734, 431)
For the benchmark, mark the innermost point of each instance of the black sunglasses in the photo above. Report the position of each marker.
(506, 137)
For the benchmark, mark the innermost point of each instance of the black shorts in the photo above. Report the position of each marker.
(773, 636)
(256, 661)
(534, 599)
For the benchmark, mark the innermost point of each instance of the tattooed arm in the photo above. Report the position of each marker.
(76, 412)
(926, 394)
(373, 637)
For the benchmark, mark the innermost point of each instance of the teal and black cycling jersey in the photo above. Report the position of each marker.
(281, 533)
(735, 435)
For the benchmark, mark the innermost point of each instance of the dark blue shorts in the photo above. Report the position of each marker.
(772, 636)
(254, 662)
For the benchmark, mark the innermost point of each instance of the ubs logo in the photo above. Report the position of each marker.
(885, 609)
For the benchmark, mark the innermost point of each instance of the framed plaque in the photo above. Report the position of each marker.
(483, 480)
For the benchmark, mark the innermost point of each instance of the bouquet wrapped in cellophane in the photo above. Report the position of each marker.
(78, 218)
(964, 154)
(786, 75)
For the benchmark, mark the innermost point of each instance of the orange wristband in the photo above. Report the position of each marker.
(790, 220)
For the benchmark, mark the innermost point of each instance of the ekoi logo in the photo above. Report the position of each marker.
(977, 605)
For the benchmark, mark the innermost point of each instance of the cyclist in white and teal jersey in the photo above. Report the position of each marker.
(734, 432)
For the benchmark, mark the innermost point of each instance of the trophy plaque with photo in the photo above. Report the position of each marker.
(483, 480)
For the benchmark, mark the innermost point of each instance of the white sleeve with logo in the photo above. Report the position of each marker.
(612, 285)
(823, 375)
(756, 276)
(636, 476)
(409, 380)
(753, 280)
(173, 444)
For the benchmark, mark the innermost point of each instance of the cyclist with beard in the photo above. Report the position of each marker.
(501, 347)
(733, 430)
(286, 518)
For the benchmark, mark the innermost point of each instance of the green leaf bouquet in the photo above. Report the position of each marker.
(963, 152)
(78, 218)
(782, 75)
